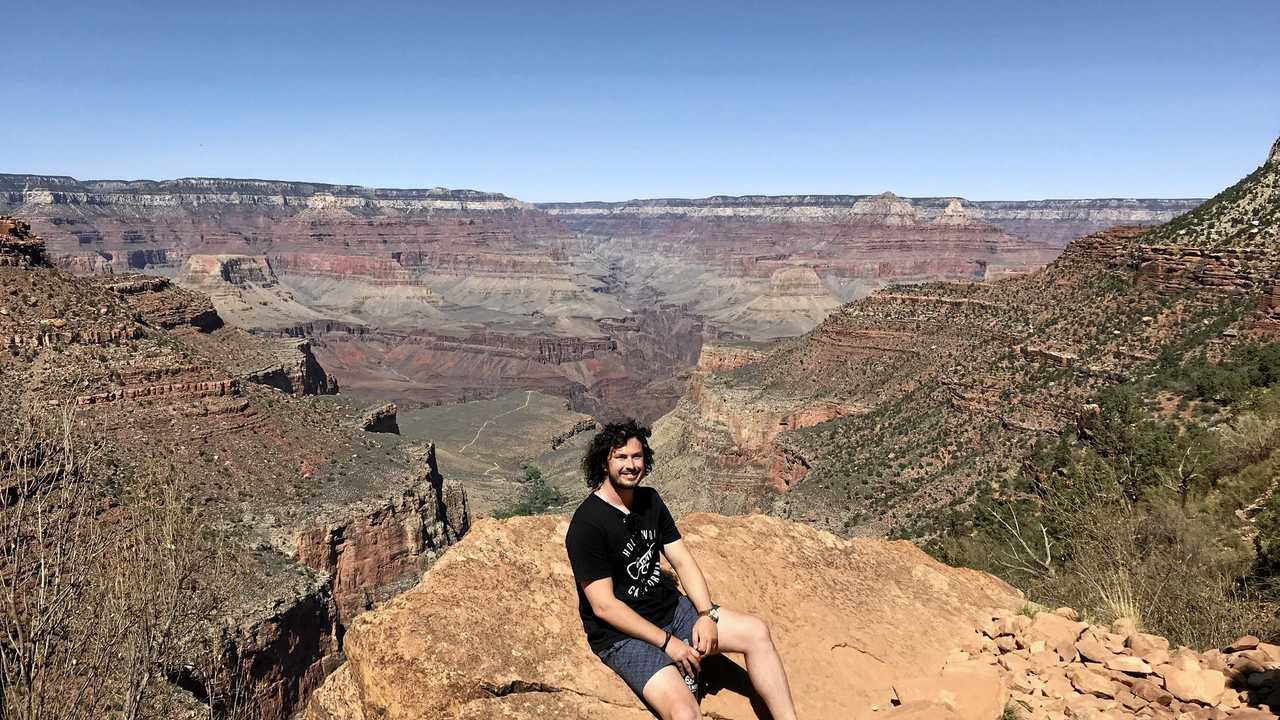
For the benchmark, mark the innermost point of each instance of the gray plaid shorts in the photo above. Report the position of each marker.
(636, 660)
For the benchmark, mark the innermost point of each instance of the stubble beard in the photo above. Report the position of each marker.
(625, 482)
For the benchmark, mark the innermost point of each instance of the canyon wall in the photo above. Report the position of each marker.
(1054, 222)
(470, 281)
(900, 408)
(323, 519)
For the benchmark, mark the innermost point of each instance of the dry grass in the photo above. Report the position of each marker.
(99, 599)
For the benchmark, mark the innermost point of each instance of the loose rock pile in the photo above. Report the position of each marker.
(1057, 667)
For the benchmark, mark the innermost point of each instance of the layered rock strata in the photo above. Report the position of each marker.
(18, 247)
(1056, 221)
(953, 381)
(367, 549)
(154, 378)
(381, 418)
(294, 369)
(447, 263)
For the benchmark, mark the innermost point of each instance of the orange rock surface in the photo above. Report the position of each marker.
(493, 630)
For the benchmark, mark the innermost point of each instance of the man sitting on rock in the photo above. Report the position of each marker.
(636, 620)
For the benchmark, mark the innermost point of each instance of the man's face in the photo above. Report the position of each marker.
(626, 465)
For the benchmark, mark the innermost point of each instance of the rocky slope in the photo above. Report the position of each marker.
(916, 397)
(844, 614)
(1246, 214)
(323, 519)
(457, 278)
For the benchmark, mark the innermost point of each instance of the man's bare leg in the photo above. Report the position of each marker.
(749, 635)
(667, 693)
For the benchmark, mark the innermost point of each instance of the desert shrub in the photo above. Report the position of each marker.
(1247, 439)
(99, 596)
(1230, 381)
(536, 496)
(1129, 515)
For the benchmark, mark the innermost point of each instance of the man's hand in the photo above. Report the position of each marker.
(687, 659)
(706, 636)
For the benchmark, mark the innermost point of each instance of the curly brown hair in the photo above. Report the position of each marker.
(611, 437)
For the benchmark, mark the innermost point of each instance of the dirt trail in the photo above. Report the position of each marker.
(528, 395)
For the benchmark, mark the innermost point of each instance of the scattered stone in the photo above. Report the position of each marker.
(1185, 659)
(1142, 644)
(1091, 683)
(1252, 714)
(1092, 650)
(1151, 692)
(1129, 700)
(1201, 686)
(1246, 642)
(1058, 632)
(1272, 651)
(1215, 660)
(1127, 664)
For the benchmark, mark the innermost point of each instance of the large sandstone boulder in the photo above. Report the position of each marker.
(493, 630)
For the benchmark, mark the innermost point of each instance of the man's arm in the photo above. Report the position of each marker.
(706, 637)
(610, 609)
(691, 579)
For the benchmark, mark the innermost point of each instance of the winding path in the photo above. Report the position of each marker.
(528, 395)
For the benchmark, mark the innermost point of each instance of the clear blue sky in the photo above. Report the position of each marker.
(602, 100)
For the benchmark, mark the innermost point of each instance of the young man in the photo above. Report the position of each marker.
(636, 620)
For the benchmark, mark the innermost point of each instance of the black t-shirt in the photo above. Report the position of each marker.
(603, 541)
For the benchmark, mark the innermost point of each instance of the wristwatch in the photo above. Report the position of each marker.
(712, 612)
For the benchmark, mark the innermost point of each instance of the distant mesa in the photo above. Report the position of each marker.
(955, 214)
(886, 208)
(215, 270)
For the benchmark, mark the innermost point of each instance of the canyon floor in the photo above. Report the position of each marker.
(486, 444)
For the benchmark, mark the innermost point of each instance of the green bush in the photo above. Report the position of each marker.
(1129, 514)
(536, 497)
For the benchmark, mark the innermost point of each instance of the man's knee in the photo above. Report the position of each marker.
(667, 693)
(685, 711)
(758, 631)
